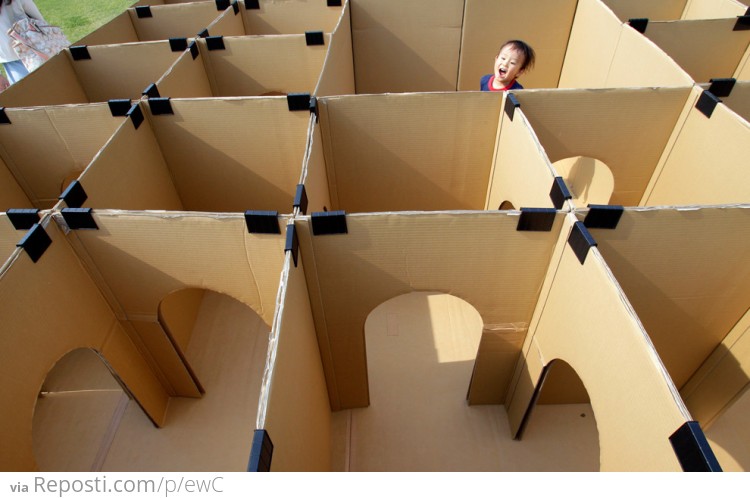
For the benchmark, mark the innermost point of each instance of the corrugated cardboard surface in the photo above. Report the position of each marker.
(118, 30)
(186, 78)
(739, 99)
(409, 151)
(686, 273)
(499, 273)
(299, 416)
(231, 155)
(713, 9)
(487, 24)
(174, 21)
(406, 46)
(227, 24)
(661, 10)
(337, 76)
(9, 237)
(54, 83)
(178, 312)
(604, 125)
(729, 436)
(589, 180)
(11, 193)
(315, 177)
(704, 48)
(280, 17)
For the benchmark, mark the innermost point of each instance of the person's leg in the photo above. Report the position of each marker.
(15, 70)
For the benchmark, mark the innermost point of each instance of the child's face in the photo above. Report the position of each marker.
(508, 65)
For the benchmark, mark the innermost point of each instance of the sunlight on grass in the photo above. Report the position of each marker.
(78, 18)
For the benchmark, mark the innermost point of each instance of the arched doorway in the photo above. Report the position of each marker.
(589, 180)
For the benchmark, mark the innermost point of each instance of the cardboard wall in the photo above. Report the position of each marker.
(315, 177)
(661, 10)
(337, 75)
(739, 99)
(487, 24)
(118, 30)
(228, 23)
(53, 83)
(409, 151)
(187, 77)
(174, 21)
(406, 47)
(290, 17)
(9, 237)
(11, 193)
(713, 9)
(178, 313)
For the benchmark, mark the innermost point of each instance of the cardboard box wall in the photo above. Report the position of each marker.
(713, 9)
(337, 76)
(738, 99)
(670, 10)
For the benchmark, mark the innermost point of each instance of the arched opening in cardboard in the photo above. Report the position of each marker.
(506, 206)
(589, 180)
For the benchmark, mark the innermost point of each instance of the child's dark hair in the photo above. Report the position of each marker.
(528, 53)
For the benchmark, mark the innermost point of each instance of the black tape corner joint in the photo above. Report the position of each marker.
(262, 222)
(721, 87)
(261, 452)
(580, 240)
(143, 11)
(743, 22)
(300, 199)
(222, 5)
(215, 43)
(35, 242)
(4, 119)
(603, 216)
(511, 103)
(79, 52)
(252, 4)
(151, 91)
(329, 222)
(178, 44)
(536, 219)
(334, 3)
(559, 193)
(194, 50)
(298, 101)
(23, 219)
(292, 244)
(314, 107)
(203, 34)
(160, 105)
(136, 115)
(707, 102)
(79, 218)
(119, 107)
(639, 24)
(74, 196)
(692, 449)
(236, 7)
(314, 38)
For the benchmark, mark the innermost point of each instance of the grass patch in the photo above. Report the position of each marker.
(77, 18)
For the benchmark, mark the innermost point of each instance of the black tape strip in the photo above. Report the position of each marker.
(314, 108)
(262, 221)
(511, 103)
(79, 218)
(74, 196)
(692, 449)
(292, 244)
(743, 23)
(707, 102)
(536, 219)
(314, 38)
(79, 52)
(559, 193)
(298, 101)
(143, 11)
(23, 219)
(160, 106)
(603, 216)
(151, 91)
(194, 50)
(334, 3)
(4, 119)
(178, 44)
(236, 7)
(203, 34)
(721, 87)
(35, 242)
(252, 4)
(119, 107)
(136, 115)
(300, 199)
(222, 4)
(580, 240)
(261, 452)
(329, 222)
(639, 24)
(215, 43)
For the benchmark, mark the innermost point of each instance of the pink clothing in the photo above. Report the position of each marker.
(10, 14)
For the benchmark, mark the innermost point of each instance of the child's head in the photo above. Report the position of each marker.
(514, 58)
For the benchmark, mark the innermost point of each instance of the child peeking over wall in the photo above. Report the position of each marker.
(514, 58)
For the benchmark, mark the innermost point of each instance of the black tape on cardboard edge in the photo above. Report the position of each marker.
(79, 52)
(743, 22)
(252, 4)
(314, 38)
(261, 452)
(707, 102)
(222, 5)
(35, 242)
(194, 50)
(215, 43)
(329, 222)
(79, 218)
(178, 44)
(236, 7)
(580, 240)
(23, 219)
(603, 216)
(639, 24)
(292, 244)
(559, 193)
(334, 3)
(74, 196)
(262, 221)
(298, 101)
(511, 103)
(119, 107)
(300, 199)
(136, 115)
(314, 108)
(4, 119)
(143, 11)
(203, 34)
(536, 219)
(160, 106)
(721, 87)
(692, 449)
(151, 91)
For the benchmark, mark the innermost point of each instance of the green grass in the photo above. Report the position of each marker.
(78, 18)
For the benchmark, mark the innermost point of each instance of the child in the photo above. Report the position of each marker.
(514, 58)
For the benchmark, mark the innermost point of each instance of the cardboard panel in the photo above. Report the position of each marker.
(406, 47)
(686, 274)
(118, 30)
(488, 24)
(186, 78)
(290, 17)
(178, 312)
(53, 83)
(631, 393)
(722, 142)
(11, 193)
(409, 152)
(9, 237)
(315, 177)
(661, 10)
(743, 70)
(739, 99)
(603, 125)
(713, 9)
(234, 155)
(705, 49)
(386, 255)
(227, 24)
(301, 443)
(174, 21)
(337, 76)
(123, 71)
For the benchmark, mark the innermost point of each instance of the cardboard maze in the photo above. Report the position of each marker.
(448, 272)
